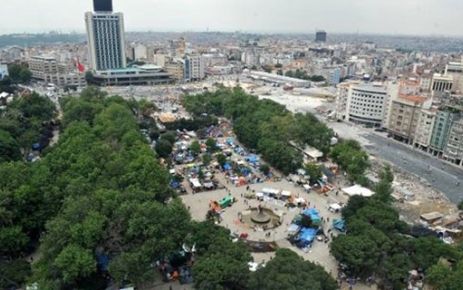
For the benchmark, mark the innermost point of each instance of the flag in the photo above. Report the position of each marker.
(80, 67)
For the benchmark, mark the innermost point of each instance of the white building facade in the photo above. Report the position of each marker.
(106, 40)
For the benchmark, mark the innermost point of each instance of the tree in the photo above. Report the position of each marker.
(211, 145)
(223, 266)
(359, 254)
(74, 262)
(289, 271)
(9, 147)
(265, 169)
(195, 148)
(314, 171)
(460, 205)
(169, 136)
(13, 273)
(163, 148)
(19, 73)
(350, 156)
(383, 189)
(207, 159)
(221, 159)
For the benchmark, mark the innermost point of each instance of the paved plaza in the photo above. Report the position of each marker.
(318, 253)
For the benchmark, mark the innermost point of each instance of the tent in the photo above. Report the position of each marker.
(339, 224)
(306, 237)
(270, 191)
(335, 207)
(313, 214)
(195, 183)
(358, 190)
(252, 158)
(286, 193)
(227, 166)
(293, 229)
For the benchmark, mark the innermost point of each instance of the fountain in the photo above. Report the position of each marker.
(260, 217)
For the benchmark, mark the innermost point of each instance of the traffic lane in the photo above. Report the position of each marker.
(441, 176)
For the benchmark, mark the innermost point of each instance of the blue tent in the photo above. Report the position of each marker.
(252, 158)
(245, 171)
(306, 237)
(313, 214)
(103, 262)
(174, 184)
(36, 146)
(227, 166)
(339, 224)
(230, 141)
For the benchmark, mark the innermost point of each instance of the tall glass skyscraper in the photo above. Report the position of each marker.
(106, 37)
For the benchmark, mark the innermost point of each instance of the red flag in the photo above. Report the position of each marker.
(80, 67)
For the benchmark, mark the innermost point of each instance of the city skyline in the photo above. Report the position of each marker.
(411, 17)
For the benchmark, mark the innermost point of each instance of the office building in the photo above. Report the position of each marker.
(106, 39)
(363, 103)
(320, 36)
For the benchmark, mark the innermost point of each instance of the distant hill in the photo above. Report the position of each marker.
(24, 40)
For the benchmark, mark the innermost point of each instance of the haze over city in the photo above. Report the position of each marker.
(409, 17)
(231, 145)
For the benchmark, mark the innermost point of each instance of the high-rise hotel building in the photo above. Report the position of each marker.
(106, 39)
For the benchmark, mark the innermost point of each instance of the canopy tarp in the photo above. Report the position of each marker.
(358, 190)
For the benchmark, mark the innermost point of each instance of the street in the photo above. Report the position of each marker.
(438, 174)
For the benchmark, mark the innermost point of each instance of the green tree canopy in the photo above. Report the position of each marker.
(289, 271)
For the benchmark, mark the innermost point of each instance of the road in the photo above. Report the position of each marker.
(439, 174)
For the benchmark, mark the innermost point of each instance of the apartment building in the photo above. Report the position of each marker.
(48, 69)
(441, 130)
(404, 117)
(424, 128)
(194, 68)
(176, 69)
(453, 150)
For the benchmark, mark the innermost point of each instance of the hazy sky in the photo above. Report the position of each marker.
(424, 17)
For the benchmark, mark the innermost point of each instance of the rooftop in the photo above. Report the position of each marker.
(413, 98)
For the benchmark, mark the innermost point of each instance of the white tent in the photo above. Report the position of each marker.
(286, 193)
(307, 187)
(195, 182)
(259, 195)
(358, 190)
(335, 207)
